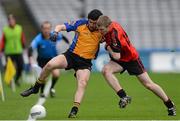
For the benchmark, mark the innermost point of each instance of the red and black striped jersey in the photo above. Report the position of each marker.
(119, 41)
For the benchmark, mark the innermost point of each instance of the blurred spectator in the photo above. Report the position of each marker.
(13, 44)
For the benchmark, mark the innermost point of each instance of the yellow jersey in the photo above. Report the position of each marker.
(85, 43)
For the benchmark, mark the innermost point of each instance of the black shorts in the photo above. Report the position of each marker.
(76, 62)
(43, 61)
(18, 60)
(135, 67)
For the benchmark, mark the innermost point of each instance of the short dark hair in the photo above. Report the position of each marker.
(94, 14)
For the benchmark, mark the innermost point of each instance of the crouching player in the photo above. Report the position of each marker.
(125, 57)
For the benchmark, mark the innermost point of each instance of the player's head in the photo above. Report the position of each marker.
(103, 23)
(92, 19)
(11, 20)
(46, 29)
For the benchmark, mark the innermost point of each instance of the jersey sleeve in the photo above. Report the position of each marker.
(72, 26)
(35, 42)
(59, 37)
(2, 42)
(23, 39)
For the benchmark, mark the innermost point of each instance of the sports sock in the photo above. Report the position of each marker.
(42, 88)
(40, 81)
(54, 80)
(38, 84)
(121, 93)
(76, 104)
(169, 103)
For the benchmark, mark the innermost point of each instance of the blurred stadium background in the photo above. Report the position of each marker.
(152, 25)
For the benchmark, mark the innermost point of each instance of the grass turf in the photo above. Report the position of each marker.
(100, 102)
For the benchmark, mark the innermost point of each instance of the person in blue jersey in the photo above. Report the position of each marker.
(46, 50)
(83, 49)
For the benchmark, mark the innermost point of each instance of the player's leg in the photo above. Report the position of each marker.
(42, 90)
(18, 62)
(58, 62)
(149, 84)
(157, 90)
(42, 62)
(55, 76)
(82, 77)
(108, 73)
(18, 59)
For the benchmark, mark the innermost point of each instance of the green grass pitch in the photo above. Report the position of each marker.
(100, 101)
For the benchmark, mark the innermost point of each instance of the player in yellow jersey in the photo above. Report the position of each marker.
(83, 49)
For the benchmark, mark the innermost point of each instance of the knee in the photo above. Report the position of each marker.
(149, 86)
(49, 66)
(106, 71)
(82, 83)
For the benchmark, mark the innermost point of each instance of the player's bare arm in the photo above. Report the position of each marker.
(60, 27)
(115, 55)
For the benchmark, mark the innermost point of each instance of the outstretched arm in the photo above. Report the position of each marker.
(68, 26)
(60, 27)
